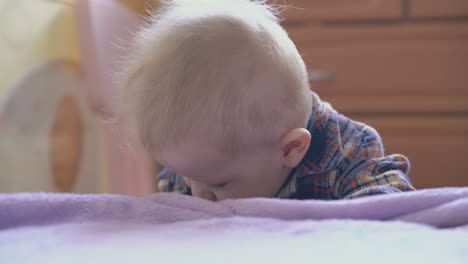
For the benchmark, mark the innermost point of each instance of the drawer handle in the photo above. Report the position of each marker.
(320, 75)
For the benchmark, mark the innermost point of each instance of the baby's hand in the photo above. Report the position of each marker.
(187, 182)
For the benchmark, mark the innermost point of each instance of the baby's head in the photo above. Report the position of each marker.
(218, 93)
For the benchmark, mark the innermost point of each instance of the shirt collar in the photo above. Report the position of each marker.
(325, 152)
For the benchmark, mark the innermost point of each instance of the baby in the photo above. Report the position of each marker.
(220, 96)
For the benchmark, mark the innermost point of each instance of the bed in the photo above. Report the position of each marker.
(427, 226)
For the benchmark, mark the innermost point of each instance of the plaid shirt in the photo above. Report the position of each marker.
(345, 160)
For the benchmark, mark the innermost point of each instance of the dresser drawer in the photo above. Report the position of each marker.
(325, 10)
(393, 68)
(436, 146)
(438, 8)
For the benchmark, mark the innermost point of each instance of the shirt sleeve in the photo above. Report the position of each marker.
(369, 172)
(169, 181)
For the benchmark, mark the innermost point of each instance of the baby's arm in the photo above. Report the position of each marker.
(169, 181)
(370, 172)
(378, 176)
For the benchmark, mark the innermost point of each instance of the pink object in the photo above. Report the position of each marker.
(104, 28)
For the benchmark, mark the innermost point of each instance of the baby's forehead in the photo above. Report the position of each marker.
(200, 162)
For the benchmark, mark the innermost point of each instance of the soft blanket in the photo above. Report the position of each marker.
(427, 226)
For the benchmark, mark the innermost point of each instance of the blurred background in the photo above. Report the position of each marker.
(398, 65)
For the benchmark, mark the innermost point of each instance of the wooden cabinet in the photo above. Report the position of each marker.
(393, 68)
(438, 8)
(399, 66)
(314, 10)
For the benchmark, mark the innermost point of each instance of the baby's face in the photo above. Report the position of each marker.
(212, 176)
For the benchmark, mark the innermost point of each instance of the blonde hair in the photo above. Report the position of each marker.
(223, 64)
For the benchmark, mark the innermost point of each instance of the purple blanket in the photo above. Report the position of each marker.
(429, 225)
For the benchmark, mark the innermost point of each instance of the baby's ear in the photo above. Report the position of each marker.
(294, 145)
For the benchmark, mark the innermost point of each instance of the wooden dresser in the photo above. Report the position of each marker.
(398, 65)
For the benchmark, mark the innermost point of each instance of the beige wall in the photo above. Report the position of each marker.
(91, 33)
(31, 32)
(38, 39)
